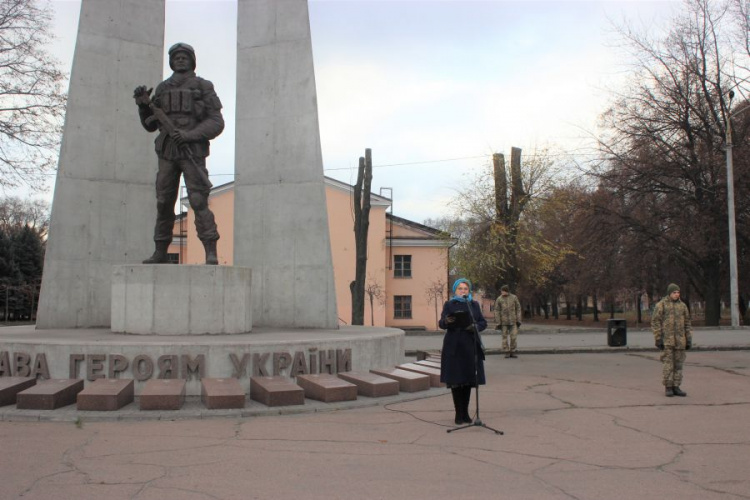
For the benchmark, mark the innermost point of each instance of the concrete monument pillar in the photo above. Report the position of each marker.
(280, 215)
(104, 202)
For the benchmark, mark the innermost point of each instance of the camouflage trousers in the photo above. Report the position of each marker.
(672, 360)
(510, 334)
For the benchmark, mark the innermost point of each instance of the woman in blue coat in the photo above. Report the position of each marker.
(457, 358)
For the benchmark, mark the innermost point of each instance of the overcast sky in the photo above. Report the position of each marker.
(434, 87)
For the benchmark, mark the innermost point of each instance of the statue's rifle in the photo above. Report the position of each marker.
(143, 97)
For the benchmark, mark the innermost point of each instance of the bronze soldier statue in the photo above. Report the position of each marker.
(187, 112)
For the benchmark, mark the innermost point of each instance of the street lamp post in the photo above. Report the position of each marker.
(733, 288)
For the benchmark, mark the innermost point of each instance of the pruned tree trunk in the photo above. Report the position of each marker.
(508, 211)
(361, 227)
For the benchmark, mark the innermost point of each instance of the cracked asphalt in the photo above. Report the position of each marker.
(577, 426)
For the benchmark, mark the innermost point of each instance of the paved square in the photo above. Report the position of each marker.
(583, 426)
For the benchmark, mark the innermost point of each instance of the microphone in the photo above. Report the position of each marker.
(465, 296)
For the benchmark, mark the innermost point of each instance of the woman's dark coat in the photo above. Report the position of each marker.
(457, 357)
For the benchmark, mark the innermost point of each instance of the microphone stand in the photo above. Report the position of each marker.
(477, 346)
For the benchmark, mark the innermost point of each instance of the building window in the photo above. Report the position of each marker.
(402, 306)
(402, 266)
(173, 258)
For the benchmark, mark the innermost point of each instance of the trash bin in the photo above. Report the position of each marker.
(617, 332)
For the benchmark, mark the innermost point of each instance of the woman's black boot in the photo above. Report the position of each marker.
(465, 407)
(458, 404)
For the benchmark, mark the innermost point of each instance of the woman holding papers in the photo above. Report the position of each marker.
(462, 318)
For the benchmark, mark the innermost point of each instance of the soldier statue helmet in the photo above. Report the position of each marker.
(181, 47)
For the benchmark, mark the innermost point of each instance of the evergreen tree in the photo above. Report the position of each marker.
(28, 253)
(9, 272)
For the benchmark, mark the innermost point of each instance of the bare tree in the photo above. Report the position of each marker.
(32, 102)
(435, 294)
(16, 213)
(499, 242)
(374, 292)
(664, 159)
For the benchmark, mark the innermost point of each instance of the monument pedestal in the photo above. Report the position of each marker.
(169, 299)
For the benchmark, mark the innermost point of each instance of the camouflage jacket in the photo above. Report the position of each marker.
(671, 322)
(507, 310)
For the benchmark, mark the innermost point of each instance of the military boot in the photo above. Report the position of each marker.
(668, 392)
(513, 354)
(679, 392)
(211, 258)
(160, 254)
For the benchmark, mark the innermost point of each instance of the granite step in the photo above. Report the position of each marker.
(11, 386)
(408, 381)
(433, 373)
(327, 388)
(50, 394)
(371, 385)
(428, 364)
(106, 394)
(222, 393)
(276, 391)
(163, 394)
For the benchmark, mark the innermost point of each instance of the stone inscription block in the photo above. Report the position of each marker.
(407, 381)
(327, 388)
(222, 393)
(433, 373)
(50, 394)
(163, 394)
(276, 391)
(106, 395)
(11, 386)
(371, 385)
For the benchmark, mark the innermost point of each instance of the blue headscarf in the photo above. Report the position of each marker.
(455, 285)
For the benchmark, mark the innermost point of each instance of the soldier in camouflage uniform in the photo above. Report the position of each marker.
(193, 107)
(673, 334)
(508, 318)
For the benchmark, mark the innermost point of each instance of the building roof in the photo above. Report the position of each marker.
(416, 225)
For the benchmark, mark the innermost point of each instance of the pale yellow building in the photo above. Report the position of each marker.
(407, 262)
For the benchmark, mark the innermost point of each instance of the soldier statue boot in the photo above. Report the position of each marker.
(679, 392)
(211, 258)
(669, 392)
(160, 254)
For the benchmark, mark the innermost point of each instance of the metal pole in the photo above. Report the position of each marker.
(734, 291)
